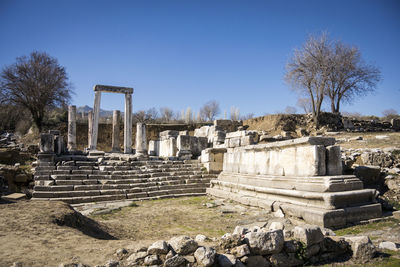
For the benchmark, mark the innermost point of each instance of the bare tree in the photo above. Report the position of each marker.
(290, 110)
(167, 114)
(210, 110)
(349, 75)
(308, 72)
(235, 113)
(305, 104)
(390, 113)
(36, 83)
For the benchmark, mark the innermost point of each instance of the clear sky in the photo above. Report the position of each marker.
(182, 54)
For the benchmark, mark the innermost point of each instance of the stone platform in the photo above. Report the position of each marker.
(81, 179)
(302, 177)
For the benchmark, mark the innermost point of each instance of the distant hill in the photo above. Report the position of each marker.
(85, 109)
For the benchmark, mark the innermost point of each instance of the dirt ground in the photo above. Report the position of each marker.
(41, 233)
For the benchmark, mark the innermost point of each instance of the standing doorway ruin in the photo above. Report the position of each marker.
(98, 89)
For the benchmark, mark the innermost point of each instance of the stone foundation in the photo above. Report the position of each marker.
(303, 177)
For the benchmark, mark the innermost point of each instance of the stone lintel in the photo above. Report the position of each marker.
(112, 89)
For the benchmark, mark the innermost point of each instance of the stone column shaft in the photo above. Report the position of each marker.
(141, 141)
(90, 126)
(95, 125)
(115, 131)
(128, 124)
(72, 128)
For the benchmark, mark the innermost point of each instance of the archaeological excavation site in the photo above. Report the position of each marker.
(220, 193)
(199, 133)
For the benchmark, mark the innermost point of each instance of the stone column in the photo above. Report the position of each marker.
(90, 126)
(115, 131)
(71, 128)
(95, 126)
(128, 124)
(141, 141)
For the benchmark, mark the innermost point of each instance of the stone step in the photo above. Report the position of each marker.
(139, 187)
(78, 200)
(75, 198)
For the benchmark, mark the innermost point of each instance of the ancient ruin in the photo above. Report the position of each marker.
(98, 89)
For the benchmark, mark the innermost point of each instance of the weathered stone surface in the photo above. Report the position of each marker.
(240, 230)
(152, 260)
(308, 234)
(205, 256)
(135, 257)
(369, 175)
(257, 261)
(276, 226)
(362, 247)
(175, 261)
(284, 260)
(71, 128)
(230, 241)
(201, 238)
(264, 243)
(115, 131)
(158, 247)
(389, 245)
(241, 251)
(183, 245)
(225, 260)
(291, 246)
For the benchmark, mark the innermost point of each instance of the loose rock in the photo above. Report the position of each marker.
(183, 245)
(308, 234)
(205, 256)
(263, 243)
(158, 248)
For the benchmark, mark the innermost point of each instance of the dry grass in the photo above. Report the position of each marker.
(162, 219)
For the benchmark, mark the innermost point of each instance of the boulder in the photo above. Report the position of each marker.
(183, 245)
(264, 243)
(291, 246)
(362, 247)
(158, 248)
(226, 260)
(175, 261)
(308, 234)
(205, 256)
(241, 251)
(285, 260)
(152, 260)
(230, 241)
(257, 261)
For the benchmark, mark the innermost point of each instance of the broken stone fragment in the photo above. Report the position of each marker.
(158, 247)
(205, 256)
(264, 243)
(308, 234)
(183, 245)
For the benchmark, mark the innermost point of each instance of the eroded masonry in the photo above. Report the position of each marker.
(299, 177)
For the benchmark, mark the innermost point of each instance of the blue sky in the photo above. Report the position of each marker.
(182, 54)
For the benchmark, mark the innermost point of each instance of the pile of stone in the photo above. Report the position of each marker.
(255, 247)
(354, 125)
(8, 140)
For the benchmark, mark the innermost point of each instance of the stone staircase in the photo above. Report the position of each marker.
(83, 179)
